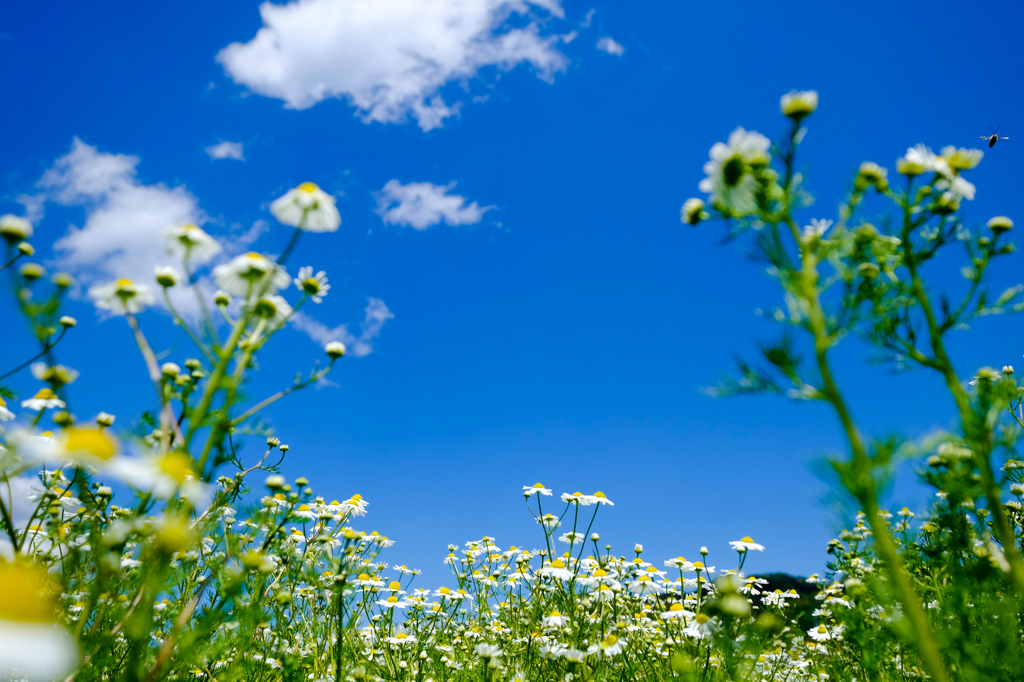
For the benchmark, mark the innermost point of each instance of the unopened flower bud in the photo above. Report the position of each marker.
(638, 548)
(704, 551)
(301, 481)
(595, 537)
(14, 228)
(192, 363)
(283, 448)
(872, 175)
(222, 298)
(62, 280)
(67, 321)
(273, 442)
(274, 481)
(32, 271)
(26, 249)
(797, 105)
(166, 276)
(105, 420)
(170, 370)
(63, 418)
(335, 349)
(1008, 370)
(1000, 224)
(693, 212)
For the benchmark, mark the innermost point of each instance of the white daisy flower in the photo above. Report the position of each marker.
(314, 285)
(14, 228)
(43, 400)
(823, 634)
(612, 645)
(274, 309)
(56, 375)
(796, 105)
(728, 178)
(166, 276)
(599, 498)
(677, 610)
(121, 296)
(487, 651)
(392, 602)
(5, 414)
(308, 208)
(556, 569)
(251, 273)
(32, 645)
(189, 242)
(535, 489)
(555, 620)
(644, 585)
(401, 639)
(962, 159)
(746, 543)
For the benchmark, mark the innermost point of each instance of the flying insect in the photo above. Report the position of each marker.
(994, 137)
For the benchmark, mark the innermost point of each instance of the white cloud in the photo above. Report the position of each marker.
(608, 45)
(124, 218)
(589, 18)
(388, 58)
(422, 204)
(377, 314)
(226, 150)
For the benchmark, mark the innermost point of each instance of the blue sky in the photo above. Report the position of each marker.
(561, 334)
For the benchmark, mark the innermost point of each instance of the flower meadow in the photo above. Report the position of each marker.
(154, 550)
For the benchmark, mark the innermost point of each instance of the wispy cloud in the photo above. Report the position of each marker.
(377, 313)
(422, 204)
(124, 218)
(389, 58)
(608, 45)
(226, 150)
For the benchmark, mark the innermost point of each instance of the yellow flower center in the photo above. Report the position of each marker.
(602, 495)
(177, 465)
(400, 635)
(556, 614)
(444, 590)
(28, 593)
(308, 187)
(676, 607)
(701, 618)
(45, 394)
(364, 576)
(822, 630)
(698, 564)
(538, 485)
(600, 573)
(610, 640)
(92, 440)
(121, 283)
(557, 563)
(392, 599)
(394, 585)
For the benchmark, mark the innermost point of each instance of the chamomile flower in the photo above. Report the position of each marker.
(555, 620)
(612, 645)
(166, 276)
(823, 633)
(314, 285)
(677, 610)
(55, 375)
(308, 208)
(121, 296)
(44, 399)
(5, 414)
(251, 273)
(797, 105)
(536, 489)
(14, 228)
(599, 498)
(644, 585)
(190, 243)
(32, 644)
(746, 543)
(729, 180)
(578, 498)
(961, 159)
(401, 639)
(487, 651)
(693, 212)
(274, 309)
(556, 569)
(392, 602)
